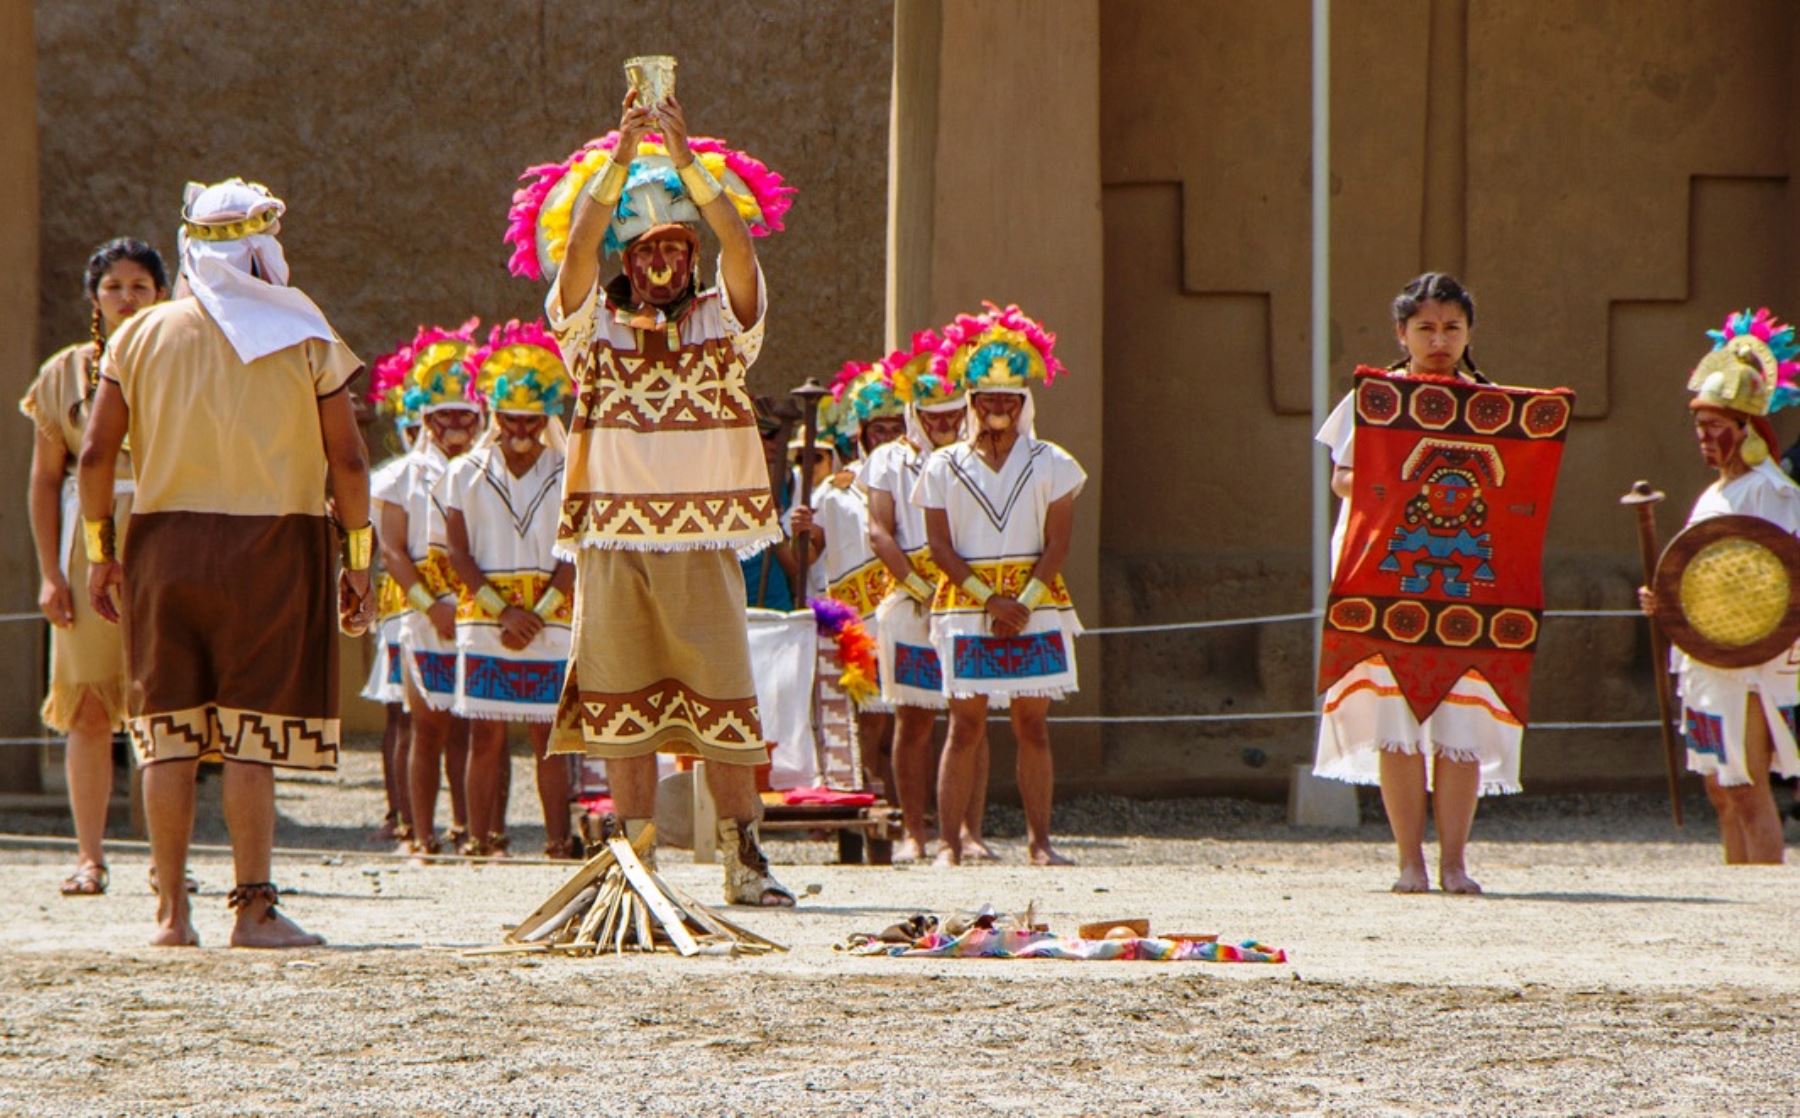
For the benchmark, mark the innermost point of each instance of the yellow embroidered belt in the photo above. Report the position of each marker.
(437, 573)
(863, 588)
(520, 588)
(389, 601)
(1007, 576)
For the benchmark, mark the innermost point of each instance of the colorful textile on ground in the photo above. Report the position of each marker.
(994, 943)
(543, 209)
(520, 370)
(1441, 568)
(840, 623)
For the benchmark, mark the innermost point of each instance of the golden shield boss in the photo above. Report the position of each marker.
(1728, 591)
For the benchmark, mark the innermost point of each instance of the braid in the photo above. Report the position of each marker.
(97, 331)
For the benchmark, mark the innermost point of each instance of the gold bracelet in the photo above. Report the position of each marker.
(490, 601)
(420, 598)
(977, 589)
(98, 536)
(608, 184)
(548, 604)
(701, 186)
(1035, 594)
(916, 585)
(359, 548)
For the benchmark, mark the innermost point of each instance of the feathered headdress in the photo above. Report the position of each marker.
(520, 370)
(387, 387)
(999, 348)
(542, 209)
(433, 370)
(1754, 365)
(921, 376)
(861, 392)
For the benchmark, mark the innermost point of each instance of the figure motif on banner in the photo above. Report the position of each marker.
(1437, 592)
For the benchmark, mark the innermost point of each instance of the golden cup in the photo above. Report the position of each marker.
(653, 76)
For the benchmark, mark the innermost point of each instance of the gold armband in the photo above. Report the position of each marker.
(490, 601)
(548, 603)
(420, 598)
(609, 182)
(359, 548)
(977, 589)
(915, 584)
(98, 536)
(1035, 594)
(700, 184)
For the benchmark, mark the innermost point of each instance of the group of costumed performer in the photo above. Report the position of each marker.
(499, 509)
(436, 381)
(386, 684)
(234, 398)
(862, 416)
(999, 511)
(666, 482)
(86, 699)
(1739, 722)
(1437, 587)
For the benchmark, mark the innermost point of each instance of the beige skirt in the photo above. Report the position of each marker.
(87, 658)
(661, 659)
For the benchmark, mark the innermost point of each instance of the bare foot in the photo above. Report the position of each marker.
(947, 857)
(977, 850)
(263, 925)
(1457, 880)
(1045, 856)
(175, 934)
(1412, 879)
(908, 852)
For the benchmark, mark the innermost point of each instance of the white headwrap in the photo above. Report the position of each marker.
(259, 312)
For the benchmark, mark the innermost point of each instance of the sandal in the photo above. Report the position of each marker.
(88, 880)
(193, 884)
(571, 849)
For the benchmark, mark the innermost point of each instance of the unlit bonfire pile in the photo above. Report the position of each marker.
(615, 903)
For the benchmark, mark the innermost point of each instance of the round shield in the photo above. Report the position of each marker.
(1728, 591)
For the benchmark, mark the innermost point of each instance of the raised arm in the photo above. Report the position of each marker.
(593, 209)
(737, 252)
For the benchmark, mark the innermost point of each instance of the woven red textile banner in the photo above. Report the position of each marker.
(1442, 563)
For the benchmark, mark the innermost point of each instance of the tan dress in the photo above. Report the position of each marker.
(88, 657)
(230, 605)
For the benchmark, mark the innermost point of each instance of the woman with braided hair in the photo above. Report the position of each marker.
(86, 697)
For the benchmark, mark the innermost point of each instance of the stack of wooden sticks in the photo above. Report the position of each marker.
(615, 903)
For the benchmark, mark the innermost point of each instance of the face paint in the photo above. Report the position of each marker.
(941, 427)
(998, 411)
(884, 429)
(659, 271)
(453, 429)
(1719, 436)
(522, 434)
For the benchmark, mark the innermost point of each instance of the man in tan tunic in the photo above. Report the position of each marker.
(665, 484)
(234, 401)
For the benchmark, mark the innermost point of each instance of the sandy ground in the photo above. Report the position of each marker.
(1613, 968)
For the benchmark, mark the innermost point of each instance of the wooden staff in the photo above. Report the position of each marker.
(809, 395)
(1645, 499)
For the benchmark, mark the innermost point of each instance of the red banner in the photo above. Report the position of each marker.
(1442, 564)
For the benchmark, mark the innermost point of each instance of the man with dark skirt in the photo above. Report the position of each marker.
(234, 399)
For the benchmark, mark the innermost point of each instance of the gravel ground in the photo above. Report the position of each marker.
(1615, 967)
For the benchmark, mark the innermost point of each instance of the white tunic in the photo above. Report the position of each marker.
(511, 523)
(1715, 701)
(853, 574)
(430, 660)
(384, 684)
(997, 527)
(911, 674)
(1366, 714)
